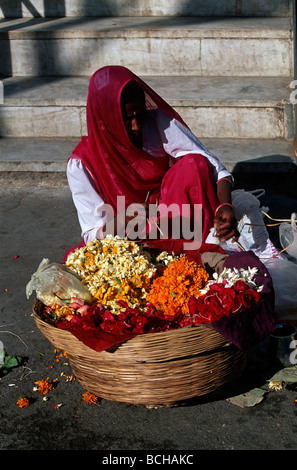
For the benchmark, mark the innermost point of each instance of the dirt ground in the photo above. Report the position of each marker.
(38, 220)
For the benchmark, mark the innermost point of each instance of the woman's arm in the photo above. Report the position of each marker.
(88, 203)
(178, 140)
(95, 218)
(225, 221)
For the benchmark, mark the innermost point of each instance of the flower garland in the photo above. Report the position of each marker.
(114, 269)
(134, 293)
(230, 276)
(228, 293)
(222, 300)
(180, 281)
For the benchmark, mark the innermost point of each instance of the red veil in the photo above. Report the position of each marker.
(117, 166)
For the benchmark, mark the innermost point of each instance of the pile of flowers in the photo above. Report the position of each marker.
(114, 270)
(134, 292)
(181, 281)
(222, 300)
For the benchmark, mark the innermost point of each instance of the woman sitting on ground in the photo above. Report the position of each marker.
(140, 152)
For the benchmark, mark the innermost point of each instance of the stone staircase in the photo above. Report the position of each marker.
(225, 65)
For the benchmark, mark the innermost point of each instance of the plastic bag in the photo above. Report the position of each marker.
(288, 236)
(251, 227)
(284, 277)
(55, 284)
(245, 201)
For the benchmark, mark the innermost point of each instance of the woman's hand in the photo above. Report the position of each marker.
(225, 223)
(131, 220)
(136, 218)
(139, 210)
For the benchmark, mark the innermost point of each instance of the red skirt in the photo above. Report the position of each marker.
(189, 183)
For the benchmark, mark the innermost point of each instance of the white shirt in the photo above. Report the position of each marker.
(161, 134)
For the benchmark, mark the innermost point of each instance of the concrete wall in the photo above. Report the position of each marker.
(74, 8)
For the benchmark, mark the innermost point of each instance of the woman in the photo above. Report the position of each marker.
(139, 150)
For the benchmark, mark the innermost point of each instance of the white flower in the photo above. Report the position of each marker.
(275, 385)
(106, 263)
(166, 258)
(231, 275)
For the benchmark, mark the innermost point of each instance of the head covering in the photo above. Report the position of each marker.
(118, 167)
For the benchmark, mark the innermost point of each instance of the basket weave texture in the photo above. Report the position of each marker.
(154, 369)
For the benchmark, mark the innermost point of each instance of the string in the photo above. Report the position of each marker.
(265, 225)
(277, 220)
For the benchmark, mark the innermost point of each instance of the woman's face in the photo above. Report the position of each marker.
(134, 115)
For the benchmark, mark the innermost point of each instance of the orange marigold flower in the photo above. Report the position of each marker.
(23, 403)
(181, 280)
(44, 386)
(90, 398)
(63, 311)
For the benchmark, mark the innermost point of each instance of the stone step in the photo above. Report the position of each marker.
(247, 155)
(203, 46)
(74, 8)
(213, 107)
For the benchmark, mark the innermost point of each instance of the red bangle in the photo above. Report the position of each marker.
(221, 205)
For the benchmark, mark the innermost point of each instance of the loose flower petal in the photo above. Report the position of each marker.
(275, 385)
(89, 398)
(44, 386)
(23, 403)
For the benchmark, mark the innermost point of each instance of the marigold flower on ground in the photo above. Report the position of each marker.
(44, 386)
(275, 385)
(90, 398)
(23, 403)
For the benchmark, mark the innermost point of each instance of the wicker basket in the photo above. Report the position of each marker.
(155, 369)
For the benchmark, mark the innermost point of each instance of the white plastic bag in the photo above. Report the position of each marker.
(246, 201)
(288, 236)
(55, 284)
(251, 226)
(284, 276)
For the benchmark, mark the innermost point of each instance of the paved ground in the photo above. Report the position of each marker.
(38, 220)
